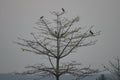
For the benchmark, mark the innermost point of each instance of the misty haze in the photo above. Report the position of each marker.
(82, 39)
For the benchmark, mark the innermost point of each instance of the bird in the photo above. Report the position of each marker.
(41, 17)
(91, 32)
(63, 9)
(55, 32)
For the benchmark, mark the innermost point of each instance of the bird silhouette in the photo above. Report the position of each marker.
(91, 32)
(63, 9)
(55, 32)
(41, 17)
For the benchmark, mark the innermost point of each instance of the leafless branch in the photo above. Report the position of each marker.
(114, 67)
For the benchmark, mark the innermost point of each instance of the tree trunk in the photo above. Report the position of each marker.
(57, 69)
(57, 78)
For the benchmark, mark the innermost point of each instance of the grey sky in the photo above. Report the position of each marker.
(17, 18)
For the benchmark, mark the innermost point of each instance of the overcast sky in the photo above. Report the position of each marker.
(18, 17)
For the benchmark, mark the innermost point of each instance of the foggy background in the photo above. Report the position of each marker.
(18, 17)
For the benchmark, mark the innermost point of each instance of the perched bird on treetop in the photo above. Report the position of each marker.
(63, 9)
(55, 32)
(41, 17)
(91, 32)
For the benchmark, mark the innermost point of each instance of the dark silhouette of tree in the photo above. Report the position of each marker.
(56, 40)
(114, 67)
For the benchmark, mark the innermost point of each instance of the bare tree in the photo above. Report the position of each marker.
(56, 40)
(114, 67)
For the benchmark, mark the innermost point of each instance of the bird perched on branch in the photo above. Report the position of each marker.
(63, 9)
(56, 32)
(41, 17)
(91, 32)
